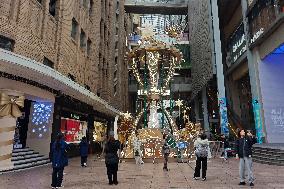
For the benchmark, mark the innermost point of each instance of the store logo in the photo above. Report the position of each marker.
(75, 116)
(257, 35)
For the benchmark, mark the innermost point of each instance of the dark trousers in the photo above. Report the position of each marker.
(83, 160)
(200, 160)
(166, 159)
(57, 177)
(112, 172)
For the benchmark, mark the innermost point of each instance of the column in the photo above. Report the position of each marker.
(205, 110)
(253, 59)
(115, 127)
(219, 68)
(196, 109)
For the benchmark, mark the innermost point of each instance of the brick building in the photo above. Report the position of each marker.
(68, 57)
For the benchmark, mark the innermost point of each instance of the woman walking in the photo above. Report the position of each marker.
(111, 158)
(59, 161)
(201, 151)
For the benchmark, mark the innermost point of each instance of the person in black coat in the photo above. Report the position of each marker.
(84, 146)
(111, 158)
(244, 154)
(59, 160)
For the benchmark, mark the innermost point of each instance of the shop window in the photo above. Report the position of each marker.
(48, 62)
(82, 39)
(6, 43)
(99, 133)
(52, 7)
(74, 29)
(89, 43)
(73, 128)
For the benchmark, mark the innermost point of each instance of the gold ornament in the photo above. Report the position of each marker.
(9, 105)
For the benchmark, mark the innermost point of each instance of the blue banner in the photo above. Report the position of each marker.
(257, 120)
(223, 116)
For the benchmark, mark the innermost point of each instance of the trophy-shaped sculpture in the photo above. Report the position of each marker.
(153, 64)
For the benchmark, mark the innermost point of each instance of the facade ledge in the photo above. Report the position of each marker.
(21, 66)
(268, 31)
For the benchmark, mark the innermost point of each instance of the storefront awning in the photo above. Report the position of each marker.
(21, 66)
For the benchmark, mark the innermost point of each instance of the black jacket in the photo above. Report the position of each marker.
(244, 146)
(111, 149)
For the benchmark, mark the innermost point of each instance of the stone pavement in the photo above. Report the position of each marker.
(220, 175)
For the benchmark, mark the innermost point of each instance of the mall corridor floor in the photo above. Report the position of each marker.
(221, 175)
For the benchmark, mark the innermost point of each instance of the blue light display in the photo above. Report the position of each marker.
(41, 118)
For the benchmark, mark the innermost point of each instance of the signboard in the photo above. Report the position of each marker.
(223, 116)
(257, 120)
(236, 45)
(260, 18)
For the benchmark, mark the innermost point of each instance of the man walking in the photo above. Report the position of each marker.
(244, 154)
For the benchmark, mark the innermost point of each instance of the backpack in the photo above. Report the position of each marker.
(201, 150)
(166, 149)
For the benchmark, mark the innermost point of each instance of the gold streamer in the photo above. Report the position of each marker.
(5, 157)
(6, 143)
(7, 129)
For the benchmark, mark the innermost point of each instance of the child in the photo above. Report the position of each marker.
(165, 152)
(84, 151)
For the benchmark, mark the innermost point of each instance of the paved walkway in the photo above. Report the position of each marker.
(221, 175)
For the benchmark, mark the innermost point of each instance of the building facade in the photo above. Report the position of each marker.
(64, 59)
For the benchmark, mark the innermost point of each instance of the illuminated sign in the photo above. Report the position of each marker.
(256, 35)
(236, 45)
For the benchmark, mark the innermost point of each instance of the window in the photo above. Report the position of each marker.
(52, 6)
(74, 29)
(40, 1)
(6, 43)
(117, 5)
(87, 87)
(115, 74)
(48, 62)
(72, 77)
(83, 39)
(115, 89)
(116, 45)
(85, 3)
(89, 43)
(115, 60)
(91, 8)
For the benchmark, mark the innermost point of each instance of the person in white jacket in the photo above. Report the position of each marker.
(201, 152)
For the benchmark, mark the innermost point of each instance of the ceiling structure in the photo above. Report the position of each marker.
(167, 7)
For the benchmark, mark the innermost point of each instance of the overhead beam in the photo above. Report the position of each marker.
(156, 8)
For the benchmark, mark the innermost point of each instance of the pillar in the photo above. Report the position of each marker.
(115, 127)
(253, 59)
(219, 67)
(196, 109)
(205, 110)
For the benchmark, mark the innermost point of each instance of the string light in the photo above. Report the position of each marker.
(41, 115)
